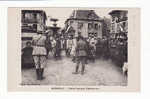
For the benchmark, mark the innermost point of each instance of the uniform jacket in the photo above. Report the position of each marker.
(39, 45)
(81, 48)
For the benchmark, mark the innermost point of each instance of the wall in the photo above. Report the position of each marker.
(84, 30)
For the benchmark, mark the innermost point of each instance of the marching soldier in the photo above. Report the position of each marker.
(39, 54)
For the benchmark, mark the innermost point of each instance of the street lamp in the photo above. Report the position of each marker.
(54, 27)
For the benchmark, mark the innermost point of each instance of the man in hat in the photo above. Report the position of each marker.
(81, 54)
(39, 54)
(48, 43)
(53, 45)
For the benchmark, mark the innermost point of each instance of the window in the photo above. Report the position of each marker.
(90, 26)
(89, 34)
(95, 34)
(113, 27)
(80, 25)
(30, 17)
(71, 22)
(28, 28)
(96, 26)
(39, 18)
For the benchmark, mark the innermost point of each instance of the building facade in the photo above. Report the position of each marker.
(118, 40)
(119, 21)
(86, 22)
(32, 22)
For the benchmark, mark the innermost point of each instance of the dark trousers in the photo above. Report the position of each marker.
(47, 52)
(82, 60)
(68, 51)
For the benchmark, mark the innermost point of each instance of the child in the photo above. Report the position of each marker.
(27, 59)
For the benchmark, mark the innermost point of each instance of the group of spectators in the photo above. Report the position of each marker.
(96, 47)
(118, 50)
(103, 48)
(82, 50)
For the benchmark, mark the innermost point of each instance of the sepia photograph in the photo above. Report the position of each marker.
(74, 46)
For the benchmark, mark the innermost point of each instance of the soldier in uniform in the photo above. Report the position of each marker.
(92, 48)
(69, 45)
(81, 54)
(58, 48)
(39, 54)
(48, 44)
(73, 50)
(53, 45)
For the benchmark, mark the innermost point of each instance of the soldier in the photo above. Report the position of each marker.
(99, 48)
(69, 45)
(48, 44)
(39, 54)
(92, 46)
(73, 50)
(53, 45)
(58, 48)
(81, 54)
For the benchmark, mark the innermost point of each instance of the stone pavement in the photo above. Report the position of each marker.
(59, 72)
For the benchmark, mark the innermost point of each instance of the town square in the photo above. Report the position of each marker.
(68, 46)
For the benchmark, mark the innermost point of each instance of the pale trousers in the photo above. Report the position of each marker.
(40, 61)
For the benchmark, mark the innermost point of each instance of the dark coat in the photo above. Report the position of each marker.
(27, 56)
(48, 44)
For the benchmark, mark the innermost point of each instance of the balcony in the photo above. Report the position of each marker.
(29, 28)
(29, 21)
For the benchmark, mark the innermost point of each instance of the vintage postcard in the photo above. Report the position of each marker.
(74, 49)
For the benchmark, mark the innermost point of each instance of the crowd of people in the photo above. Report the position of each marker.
(81, 50)
(96, 47)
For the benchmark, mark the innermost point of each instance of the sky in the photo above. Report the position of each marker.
(63, 13)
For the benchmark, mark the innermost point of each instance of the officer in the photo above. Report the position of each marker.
(39, 54)
(81, 54)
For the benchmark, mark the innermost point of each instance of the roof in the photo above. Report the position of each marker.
(117, 12)
(84, 15)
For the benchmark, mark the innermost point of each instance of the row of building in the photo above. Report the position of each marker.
(85, 22)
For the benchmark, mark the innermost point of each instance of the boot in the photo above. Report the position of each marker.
(42, 70)
(74, 59)
(82, 72)
(37, 74)
(76, 72)
(41, 74)
(40, 77)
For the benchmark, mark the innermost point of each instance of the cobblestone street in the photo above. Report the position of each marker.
(59, 72)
